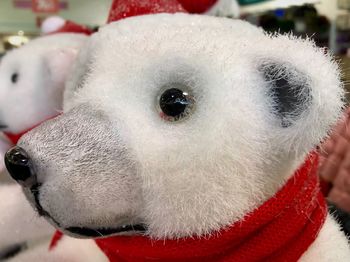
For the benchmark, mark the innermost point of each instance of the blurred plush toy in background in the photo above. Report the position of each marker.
(335, 170)
(190, 139)
(32, 80)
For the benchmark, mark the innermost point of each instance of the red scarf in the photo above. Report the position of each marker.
(281, 229)
(15, 137)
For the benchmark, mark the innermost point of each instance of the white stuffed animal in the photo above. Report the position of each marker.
(189, 140)
(32, 82)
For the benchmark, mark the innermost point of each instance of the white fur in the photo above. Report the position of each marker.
(122, 163)
(67, 250)
(18, 221)
(331, 245)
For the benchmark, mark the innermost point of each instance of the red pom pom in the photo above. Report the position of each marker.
(197, 7)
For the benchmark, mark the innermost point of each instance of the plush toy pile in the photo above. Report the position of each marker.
(186, 138)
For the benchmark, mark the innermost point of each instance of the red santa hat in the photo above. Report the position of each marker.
(198, 7)
(211, 7)
(56, 24)
(126, 8)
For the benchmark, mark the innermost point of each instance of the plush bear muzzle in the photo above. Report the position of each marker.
(56, 165)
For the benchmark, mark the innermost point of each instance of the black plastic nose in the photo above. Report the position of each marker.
(18, 164)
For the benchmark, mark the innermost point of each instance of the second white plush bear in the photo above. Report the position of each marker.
(32, 82)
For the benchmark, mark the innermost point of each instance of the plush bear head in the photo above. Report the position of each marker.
(178, 125)
(32, 80)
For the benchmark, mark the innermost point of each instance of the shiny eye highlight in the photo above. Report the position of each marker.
(175, 103)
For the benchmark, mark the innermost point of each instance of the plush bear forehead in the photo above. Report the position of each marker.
(168, 22)
(144, 39)
(127, 63)
(162, 41)
(123, 50)
(176, 30)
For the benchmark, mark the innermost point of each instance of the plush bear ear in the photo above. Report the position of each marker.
(302, 89)
(59, 63)
(289, 89)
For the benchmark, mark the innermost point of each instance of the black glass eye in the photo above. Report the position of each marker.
(14, 78)
(175, 104)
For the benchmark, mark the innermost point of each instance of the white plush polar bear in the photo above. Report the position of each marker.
(32, 80)
(32, 83)
(185, 135)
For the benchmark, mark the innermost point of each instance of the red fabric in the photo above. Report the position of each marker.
(197, 7)
(71, 27)
(126, 8)
(55, 239)
(15, 137)
(326, 187)
(281, 229)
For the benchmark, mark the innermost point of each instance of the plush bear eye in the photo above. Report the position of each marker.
(14, 78)
(175, 103)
